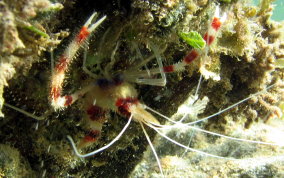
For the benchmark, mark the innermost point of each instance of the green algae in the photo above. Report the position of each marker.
(37, 31)
(193, 39)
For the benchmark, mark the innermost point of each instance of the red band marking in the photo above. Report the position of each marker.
(92, 136)
(216, 23)
(168, 68)
(62, 64)
(96, 113)
(191, 57)
(55, 93)
(83, 34)
(68, 100)
(209, 39)
(123, 105)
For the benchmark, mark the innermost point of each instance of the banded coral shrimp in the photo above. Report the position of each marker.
(88, 166)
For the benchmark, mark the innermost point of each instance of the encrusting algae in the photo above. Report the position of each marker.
(244, 58)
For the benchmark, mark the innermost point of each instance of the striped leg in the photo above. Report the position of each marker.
(194, 54)
(214, 26)
(57, 100)
(209, 37)
(94, 118)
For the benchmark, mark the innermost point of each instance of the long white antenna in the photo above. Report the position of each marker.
(153, 149)
(102, 148)
(188, 148)
(232, 106)
(39, 118)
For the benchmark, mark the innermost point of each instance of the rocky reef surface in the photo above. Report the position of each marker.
(247, 56)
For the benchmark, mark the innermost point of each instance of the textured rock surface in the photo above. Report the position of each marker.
(244, 56)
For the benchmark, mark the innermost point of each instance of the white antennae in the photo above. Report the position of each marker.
(186, 147)
(234, 138)
(213, 115)
(39, 118)
(102, 148)
(232, 106)
(153, 149)
(198, 86)
(156, 112)
(161, 127)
